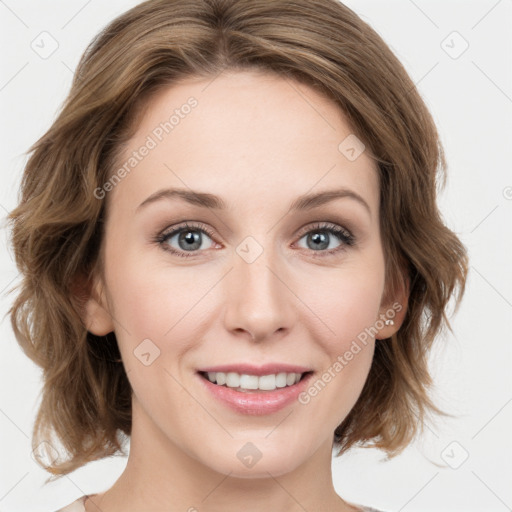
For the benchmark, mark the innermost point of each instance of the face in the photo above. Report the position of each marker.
(249, 281)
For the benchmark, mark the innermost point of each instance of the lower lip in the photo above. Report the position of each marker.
(256, 403)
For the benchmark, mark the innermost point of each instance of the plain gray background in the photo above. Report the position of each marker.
(461, 464)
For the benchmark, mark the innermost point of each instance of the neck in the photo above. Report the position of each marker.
(160, 475)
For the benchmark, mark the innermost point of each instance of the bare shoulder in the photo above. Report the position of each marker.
(76, 506)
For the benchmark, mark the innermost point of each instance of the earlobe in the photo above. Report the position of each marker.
(392, 314)
(93, 306)
(98, 320)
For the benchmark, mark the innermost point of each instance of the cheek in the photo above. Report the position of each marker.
(348, 355)
(160, 304)
(349, 306)
(350, 348)
(348, 302)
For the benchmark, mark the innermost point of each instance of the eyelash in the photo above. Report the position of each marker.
(344, 235)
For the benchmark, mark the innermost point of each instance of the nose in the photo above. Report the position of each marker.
(259, 302)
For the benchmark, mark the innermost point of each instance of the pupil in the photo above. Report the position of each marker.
(191, 238)
(321, 238)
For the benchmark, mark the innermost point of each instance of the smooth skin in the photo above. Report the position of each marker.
(258, 141)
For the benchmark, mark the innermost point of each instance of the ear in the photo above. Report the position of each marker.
(393, 308)
(94, 312)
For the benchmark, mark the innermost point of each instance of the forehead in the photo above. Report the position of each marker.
(251, 132)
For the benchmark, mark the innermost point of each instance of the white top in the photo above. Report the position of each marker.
(78, 506)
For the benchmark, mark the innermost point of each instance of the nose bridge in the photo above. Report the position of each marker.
(257, 300)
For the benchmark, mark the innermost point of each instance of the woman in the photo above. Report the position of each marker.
(233, 255)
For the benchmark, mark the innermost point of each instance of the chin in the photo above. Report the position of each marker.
(258, 459)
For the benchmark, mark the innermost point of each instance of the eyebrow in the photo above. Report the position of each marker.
(207, 200)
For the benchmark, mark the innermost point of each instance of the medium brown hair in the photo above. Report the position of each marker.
(57, 228)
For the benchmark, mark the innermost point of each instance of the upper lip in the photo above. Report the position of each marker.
(249, 369)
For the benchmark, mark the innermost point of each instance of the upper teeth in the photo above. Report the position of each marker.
(263, 382)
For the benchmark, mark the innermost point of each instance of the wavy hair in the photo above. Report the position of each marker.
(57, 227)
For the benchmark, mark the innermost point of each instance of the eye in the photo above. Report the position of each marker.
(189, 238)
(320, 236)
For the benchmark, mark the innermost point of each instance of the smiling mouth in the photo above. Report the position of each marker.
(247, 383)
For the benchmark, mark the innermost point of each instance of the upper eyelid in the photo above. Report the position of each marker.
(199, 226)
